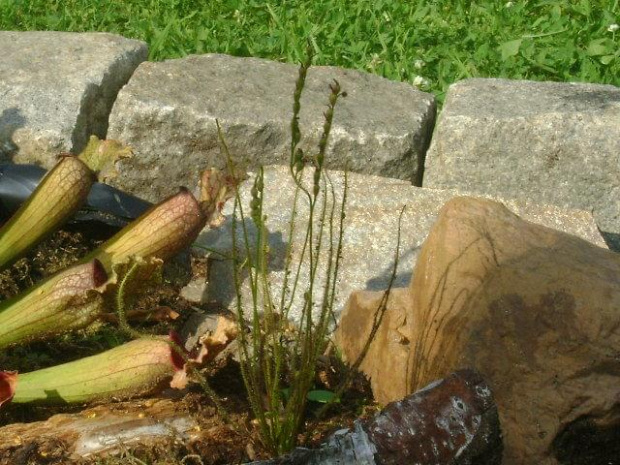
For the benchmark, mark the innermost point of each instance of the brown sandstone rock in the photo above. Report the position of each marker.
(536, 311)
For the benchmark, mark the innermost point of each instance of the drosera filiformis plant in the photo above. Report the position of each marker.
(280, 358)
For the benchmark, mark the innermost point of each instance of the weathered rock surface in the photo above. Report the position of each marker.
(57, 88)
(555, 143)
(452, 421)
(373, 207)
(167, 113)
(536, 311)
(66, 437)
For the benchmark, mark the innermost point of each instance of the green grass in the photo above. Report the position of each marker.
(440, 41)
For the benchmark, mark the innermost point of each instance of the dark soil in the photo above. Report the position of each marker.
(219, 442)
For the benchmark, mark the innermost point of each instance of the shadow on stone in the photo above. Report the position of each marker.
(588, 100)
(612, 240)
(380, 281)
(11, 119)
(221, 276)
(584, 442)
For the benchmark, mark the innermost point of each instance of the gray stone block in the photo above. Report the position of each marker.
(554, 143)
(373, 207)
(57, 88)
(167, 113)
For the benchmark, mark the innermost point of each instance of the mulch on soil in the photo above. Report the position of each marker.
(215, 441)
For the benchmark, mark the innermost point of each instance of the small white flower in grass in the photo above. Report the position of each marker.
(419, 81)
(375, 61)
(508, 5)
(613, 27)
(419, 64)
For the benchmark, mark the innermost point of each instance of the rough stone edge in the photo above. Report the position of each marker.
(611, 240)
(100, 101)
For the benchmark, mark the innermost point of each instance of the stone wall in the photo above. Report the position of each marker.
(56, 89)
(554, 144)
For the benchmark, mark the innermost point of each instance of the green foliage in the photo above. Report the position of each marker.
(279, 360)
(322, 396)
(436, 41)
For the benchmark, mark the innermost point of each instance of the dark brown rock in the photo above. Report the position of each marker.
(452, 421)
(535, 311)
